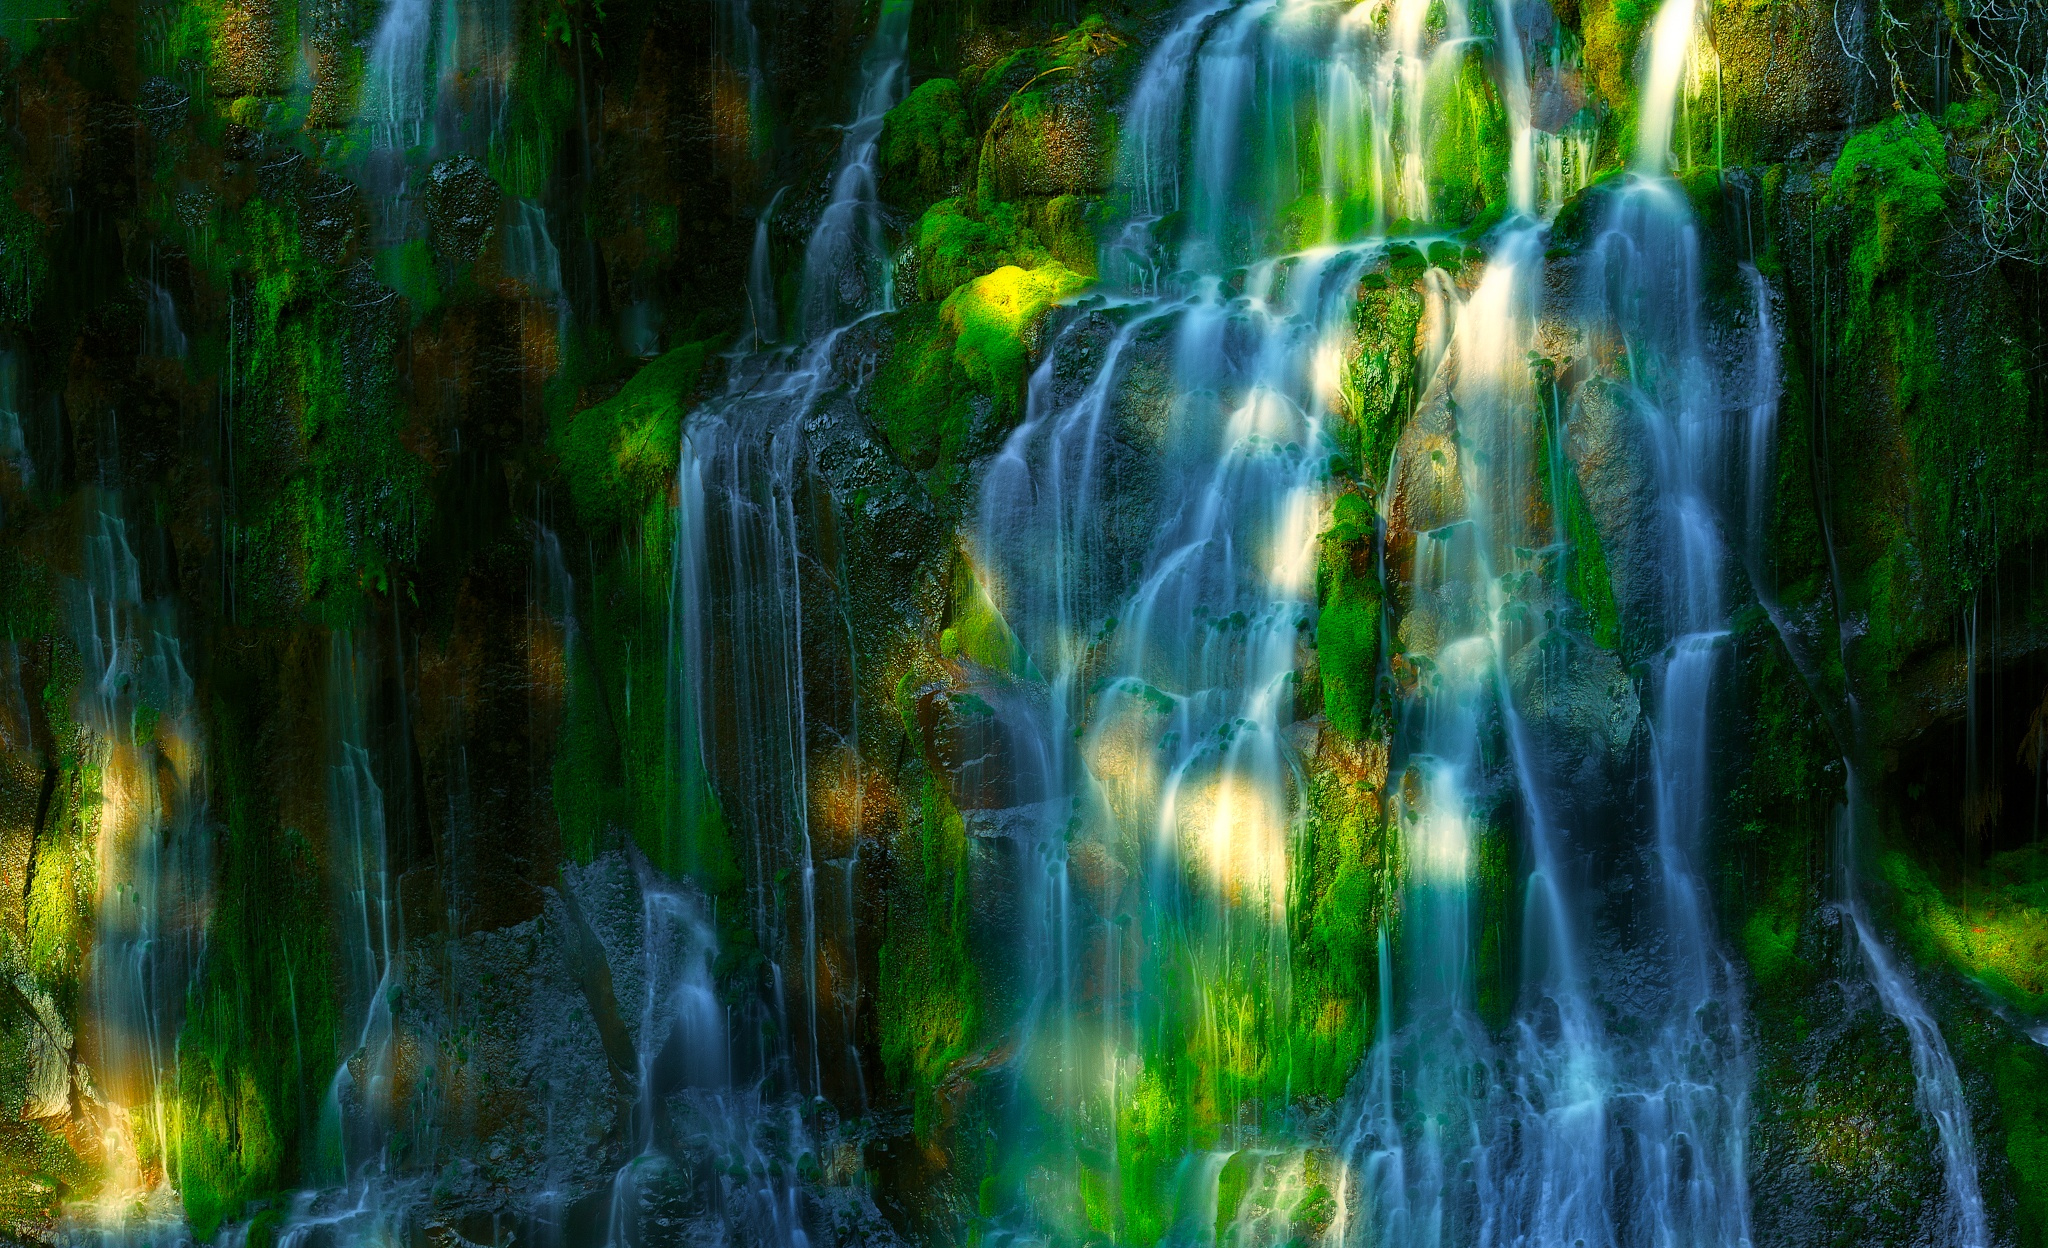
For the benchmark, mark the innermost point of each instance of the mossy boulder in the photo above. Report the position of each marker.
(927, 147)
(621, 455)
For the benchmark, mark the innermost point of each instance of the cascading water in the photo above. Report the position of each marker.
(396, 102)
(846, 273)
(366, 1198)
(153, 864)
(1938, 1090)
(736, 654)
(1558, 1130)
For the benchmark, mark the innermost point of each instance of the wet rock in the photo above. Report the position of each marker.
(1579, 703)
(462, 207)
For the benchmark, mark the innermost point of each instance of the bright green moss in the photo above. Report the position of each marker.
(990, 318)
(955, 246)
(1152, 1134)
(926, 147)
(1348, 624)
(623, 453)
(1996, 933)
(977, 630)
(1379, 384)
(1611, 30)
(1896, 171)
(969, 355)
(1469, 146)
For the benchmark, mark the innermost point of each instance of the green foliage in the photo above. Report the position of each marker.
(262, 1021)
(928, 1008)
(926, 146)
(1896, 172)
(622, 454)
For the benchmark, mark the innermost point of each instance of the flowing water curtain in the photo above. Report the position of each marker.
(153, 870)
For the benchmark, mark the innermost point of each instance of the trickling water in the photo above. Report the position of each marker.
(395, 96)
(161, 336)
(531, 256)
(1938, 1091)
(761, 279)
(357, 1115)
(846, 265)
(153, 864)
(13, 443)
(1761, 433)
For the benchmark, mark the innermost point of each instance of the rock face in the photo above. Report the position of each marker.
(679, 863)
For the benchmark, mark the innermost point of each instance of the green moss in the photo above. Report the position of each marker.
(926, 147)
(409, 269)
(2019, 1072)
(928, 1007)
(955, 246)
(990, 317)
(976, 629)
(1896, 172)
(971, 353)
(1348, 623)
(1611, 30)
(261, 1026)
(1468, 164)
(1995, 932)
(1379, 383)
(622, 454)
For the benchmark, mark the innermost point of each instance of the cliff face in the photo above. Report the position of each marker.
(813, 621)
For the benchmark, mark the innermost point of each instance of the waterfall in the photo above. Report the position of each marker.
(13, 443)
(358, 1112)
(846, 270)
(153, 866)
(395, 103)
(761, 279)
(1670, 43)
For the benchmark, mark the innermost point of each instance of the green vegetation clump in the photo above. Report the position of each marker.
(1348, 624)
(963, 361)
(926, 146)
(1995, 932)
(620, 455)
(1468, 156)
(955, 246)
(2019, 1073)
(1378, 385)
(1897, 173)
(928, 1008)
